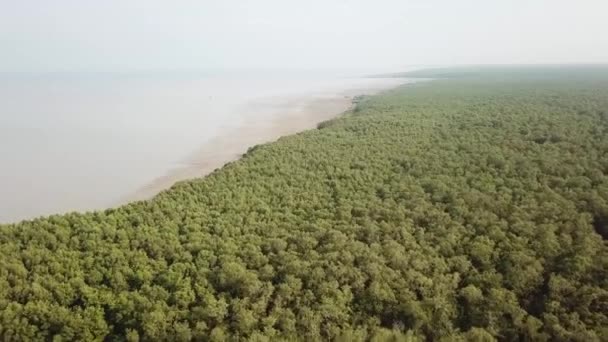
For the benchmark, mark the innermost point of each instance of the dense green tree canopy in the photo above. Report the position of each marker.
(472, 208)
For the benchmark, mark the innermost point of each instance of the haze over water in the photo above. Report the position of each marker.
(73, 141)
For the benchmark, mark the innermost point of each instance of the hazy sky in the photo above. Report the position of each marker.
(46, 35)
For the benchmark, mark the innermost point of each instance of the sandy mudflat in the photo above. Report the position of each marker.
(266, 121)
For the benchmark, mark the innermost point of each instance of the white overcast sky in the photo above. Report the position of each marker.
(105, 35)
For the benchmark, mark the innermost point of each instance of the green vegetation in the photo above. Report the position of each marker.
(519, 73)
(470, 208)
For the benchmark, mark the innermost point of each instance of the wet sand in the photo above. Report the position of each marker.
(267, 121)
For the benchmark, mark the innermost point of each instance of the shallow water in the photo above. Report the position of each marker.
(83, 141)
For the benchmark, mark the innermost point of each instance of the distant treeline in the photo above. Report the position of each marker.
(464, 209)
(519, 73)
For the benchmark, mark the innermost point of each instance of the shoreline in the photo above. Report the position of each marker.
(265, 123)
